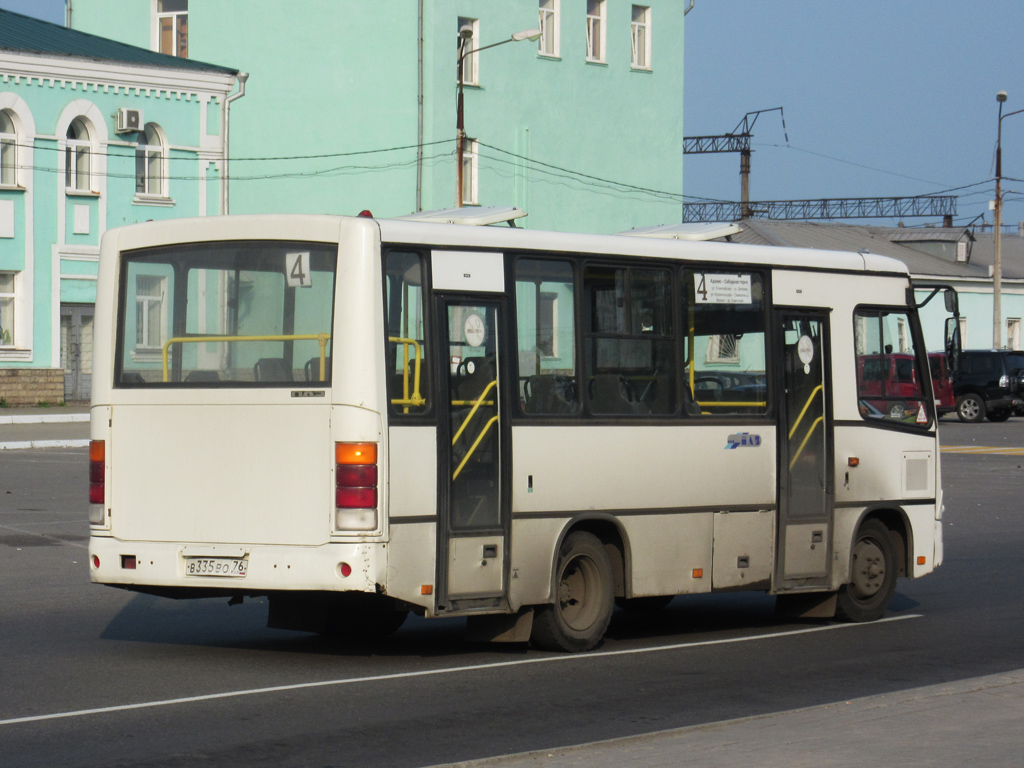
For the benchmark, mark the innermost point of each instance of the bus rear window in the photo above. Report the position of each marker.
(226, 314)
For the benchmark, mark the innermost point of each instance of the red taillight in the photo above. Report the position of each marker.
(355, 475)
(97, 469)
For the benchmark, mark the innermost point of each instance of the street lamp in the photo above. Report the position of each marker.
(465, 35)
(997, 263)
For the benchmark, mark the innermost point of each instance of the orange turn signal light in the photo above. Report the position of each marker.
(853, 461)
(698, 573)
(97, 450)
(427, 589)
(921, 559)
(355, 453)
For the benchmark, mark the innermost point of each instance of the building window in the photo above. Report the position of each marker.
(150, 163)
(1013, 333)
(149, 312)
(172, 27)
(549, 27)
(8, 151)
(963, 331)
(468, 72)
(78, 157)
(595, 30)
(6, 309)
(470, 168)
(723, 348)
(641, 33)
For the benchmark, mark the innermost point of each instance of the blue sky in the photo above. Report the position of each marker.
(882, 98)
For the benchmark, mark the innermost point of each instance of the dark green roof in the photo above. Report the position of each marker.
(28, 35)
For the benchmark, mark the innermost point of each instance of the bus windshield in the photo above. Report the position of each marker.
(238, 314)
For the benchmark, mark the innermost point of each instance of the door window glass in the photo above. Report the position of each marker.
(408, 372)
(889, 381)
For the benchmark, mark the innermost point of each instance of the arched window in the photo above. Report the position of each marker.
(151, 163)
(78, 157)
(8, 151)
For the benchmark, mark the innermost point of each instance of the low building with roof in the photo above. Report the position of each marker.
(93, 134)
(952, 255)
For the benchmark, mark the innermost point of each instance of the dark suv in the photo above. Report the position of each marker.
(990, 382)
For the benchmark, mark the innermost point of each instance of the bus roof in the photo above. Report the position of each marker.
(327, 228)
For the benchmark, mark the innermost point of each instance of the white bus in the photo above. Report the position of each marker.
(358, 418)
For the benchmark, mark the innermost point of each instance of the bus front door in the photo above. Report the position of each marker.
(805, 452)
(473, 539)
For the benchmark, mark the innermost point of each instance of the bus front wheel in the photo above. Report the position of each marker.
(585, 596)
(872, 575)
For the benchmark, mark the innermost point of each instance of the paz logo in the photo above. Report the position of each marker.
(742, 440)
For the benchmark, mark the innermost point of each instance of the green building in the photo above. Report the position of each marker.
(351, 106)
(93, 134)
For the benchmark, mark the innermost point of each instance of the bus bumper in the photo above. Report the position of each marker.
(240, 568)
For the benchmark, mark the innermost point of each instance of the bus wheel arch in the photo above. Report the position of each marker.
(875, 558)
(583, 589)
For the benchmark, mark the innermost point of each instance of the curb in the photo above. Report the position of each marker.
(53, 418)
(21, 445)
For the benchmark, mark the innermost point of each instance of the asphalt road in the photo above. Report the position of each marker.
(92, 676)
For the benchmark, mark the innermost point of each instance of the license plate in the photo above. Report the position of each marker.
(216, 566)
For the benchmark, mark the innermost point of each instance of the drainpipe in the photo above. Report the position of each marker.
(419, 112)
(67, 13)
(225, 176)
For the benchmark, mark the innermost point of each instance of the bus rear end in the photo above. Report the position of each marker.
(227, 457)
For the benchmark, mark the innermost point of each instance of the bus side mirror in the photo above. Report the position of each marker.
(952, 342)
(949, 296)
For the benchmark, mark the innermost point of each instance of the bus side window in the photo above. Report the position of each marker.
(725, 341)
(406, 352)
(546, 337)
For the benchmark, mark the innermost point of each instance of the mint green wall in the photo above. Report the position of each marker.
(330, 77)
(181, 121)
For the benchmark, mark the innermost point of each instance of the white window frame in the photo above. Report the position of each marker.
(719, 349)
(149, 152)
(552, 299)
(902, 336)
(79, 152)
(596, 30)
(9, 153)
(8, 336)
(470, 72)
(640, 32)
(177, 20)
(470, 174)
(142, 349)
(550, 28)
(1013, 333)
(963, 331)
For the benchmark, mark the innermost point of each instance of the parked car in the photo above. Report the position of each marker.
(990, 382)
(942, 383)
(889, 384)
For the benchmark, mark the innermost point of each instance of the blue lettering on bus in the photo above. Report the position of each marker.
(742, 440)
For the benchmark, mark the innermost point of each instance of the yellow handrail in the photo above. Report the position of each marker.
(814, 426)
(321, 338)
(807, 405)
(416, 398)
(476, 406)
(472, 448)
(730, 403)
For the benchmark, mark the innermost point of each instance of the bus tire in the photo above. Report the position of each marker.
(873, 572)
(585, 596)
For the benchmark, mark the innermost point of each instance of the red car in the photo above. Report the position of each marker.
(942, 383)
(889, 385)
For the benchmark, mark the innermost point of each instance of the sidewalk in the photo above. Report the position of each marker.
(976, 722)
(64, 426)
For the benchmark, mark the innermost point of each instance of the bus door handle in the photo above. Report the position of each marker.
(490, 553)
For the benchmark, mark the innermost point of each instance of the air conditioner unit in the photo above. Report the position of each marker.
(129, 120)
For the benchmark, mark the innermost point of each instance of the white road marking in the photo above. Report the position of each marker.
(565, 658)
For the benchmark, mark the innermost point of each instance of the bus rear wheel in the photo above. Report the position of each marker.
(872, 575)
(585, 596)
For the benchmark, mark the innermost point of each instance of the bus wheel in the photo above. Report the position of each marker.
(651, 604)
(873, 575)
(585, 596)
